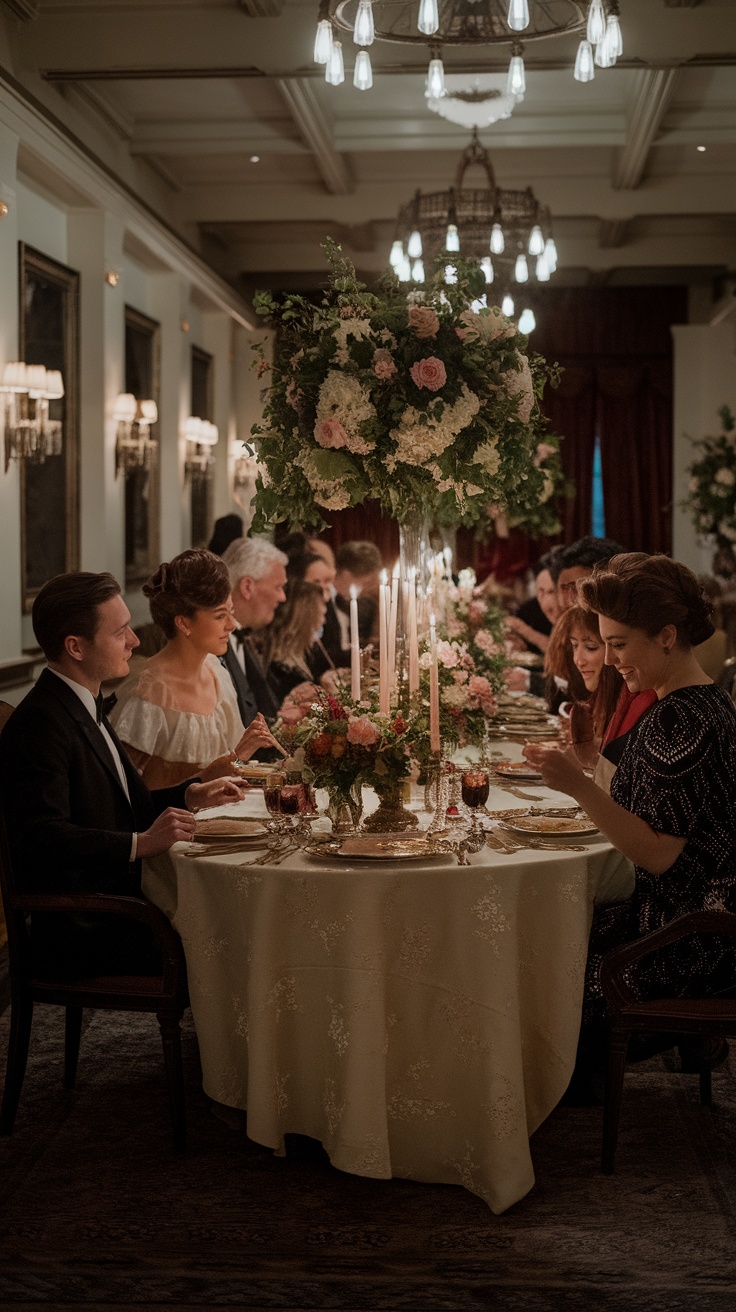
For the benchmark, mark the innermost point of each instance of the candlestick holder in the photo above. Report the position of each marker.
(437, 792)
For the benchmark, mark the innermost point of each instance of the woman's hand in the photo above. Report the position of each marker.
(560, 770)
(215, 792)
(257, 735)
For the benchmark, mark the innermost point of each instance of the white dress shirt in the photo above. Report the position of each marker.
(89, 704)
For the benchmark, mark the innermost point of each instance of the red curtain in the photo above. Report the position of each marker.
(635, 425)
(570, 408)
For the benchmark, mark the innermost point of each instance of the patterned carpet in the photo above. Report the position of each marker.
(98, 1213)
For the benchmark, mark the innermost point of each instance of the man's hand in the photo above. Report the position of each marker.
(215, 792)
(172, 826)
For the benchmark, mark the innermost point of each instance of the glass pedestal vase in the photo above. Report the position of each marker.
(391, 817)
(345, 808)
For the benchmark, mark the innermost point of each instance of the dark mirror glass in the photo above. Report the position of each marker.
(141, 485)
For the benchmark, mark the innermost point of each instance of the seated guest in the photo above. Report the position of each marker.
(323, 549)
(257, 572)
(227, 529)
(673, 796)
(287, 644)
(357, 564)
(309, 566)
(534, 619)
(179, 716)
(576, 562)
(78, 816)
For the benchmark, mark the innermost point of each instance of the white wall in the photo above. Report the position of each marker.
(70, 213)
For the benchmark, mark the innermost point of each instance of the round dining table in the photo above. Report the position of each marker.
(419, 1018)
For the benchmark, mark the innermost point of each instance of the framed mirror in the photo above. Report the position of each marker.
(201, 487)
(48, 334)
(142, 378)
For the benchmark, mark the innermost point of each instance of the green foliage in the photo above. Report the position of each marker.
(711, 500)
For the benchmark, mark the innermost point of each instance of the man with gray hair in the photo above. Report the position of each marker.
(257, 576)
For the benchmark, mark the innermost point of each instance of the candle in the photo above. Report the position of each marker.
(354, 645)
(392, 632)
(411, 624)
(383, 695)
(434, 690)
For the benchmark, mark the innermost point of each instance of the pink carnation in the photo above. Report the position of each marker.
(424, 321)
(383, 364)
(480, 689)
(330, 432)
(429, 373)
(362, 731)
(487, 642)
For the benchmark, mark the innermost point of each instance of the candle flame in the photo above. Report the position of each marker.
(431, 621)
(384, 576)
(353, 592)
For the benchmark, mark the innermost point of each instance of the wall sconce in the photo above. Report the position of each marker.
(245, 472)
(3, 210)
(29, 433)
(135, 448)
(201, 436)
(112, 277)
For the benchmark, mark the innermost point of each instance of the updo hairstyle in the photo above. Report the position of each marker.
(195, 580)
(648, 592)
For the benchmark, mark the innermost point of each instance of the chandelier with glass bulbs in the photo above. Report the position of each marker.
(508, 232)
(463, 23)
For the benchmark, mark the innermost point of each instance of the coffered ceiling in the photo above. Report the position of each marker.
(180, 96)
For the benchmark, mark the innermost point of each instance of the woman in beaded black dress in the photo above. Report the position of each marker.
(672, 808)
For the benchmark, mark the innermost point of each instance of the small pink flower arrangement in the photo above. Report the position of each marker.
(430, 373)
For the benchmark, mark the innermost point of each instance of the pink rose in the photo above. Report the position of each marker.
(362, 731)
(330, 432)
(429, 373)
(424, 321)
(383, 364)
(447, 655)
(480, 689)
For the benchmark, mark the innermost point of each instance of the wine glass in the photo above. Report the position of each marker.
(272, 798)
(475, 786)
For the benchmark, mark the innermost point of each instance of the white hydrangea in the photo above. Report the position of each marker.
(488, 457)
(456, 695)
(422, 436)
(330, 493)
(520, 384)
(548, 488)
(343, 397)
(726, 477)
(727, 531)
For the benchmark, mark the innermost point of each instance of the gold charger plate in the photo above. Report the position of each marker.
(522, 771)
(374, 848)
(550, 826)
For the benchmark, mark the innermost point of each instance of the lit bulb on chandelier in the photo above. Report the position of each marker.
(518, 17)
(521, 269)
(584, 65)
(364, 32)
(596, 22)
(363, 74)
(516, 82)
(542, 268)
(550, 255)
(527, 322)
(417, 272)
(497, 240)
(397, 254)
(414, 245)
(452, 239)
(487, 268)
(507, 306)
(323, 41)
(536, 241)
(435, 88)
(335, 69)
(429, 18)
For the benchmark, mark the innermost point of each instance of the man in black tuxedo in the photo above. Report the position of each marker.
(257, 577)
(78, 816)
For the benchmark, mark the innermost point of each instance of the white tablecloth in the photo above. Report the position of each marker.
(420, 1020)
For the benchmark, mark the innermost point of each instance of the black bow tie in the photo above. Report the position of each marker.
(104, 705)
(240, 635)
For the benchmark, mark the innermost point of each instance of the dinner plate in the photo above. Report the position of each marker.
(520, 770)
(551, 826)
(214, 828)
(373, 848)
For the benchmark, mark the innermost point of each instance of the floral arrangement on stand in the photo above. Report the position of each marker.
(478, 623)
(711, 500)
(542, 520)
(467, 702)
(417, 400)
(345, 744)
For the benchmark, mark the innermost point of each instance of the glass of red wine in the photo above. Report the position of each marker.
(272, 797)
(475, 786)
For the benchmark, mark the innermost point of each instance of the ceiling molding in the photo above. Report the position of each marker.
(261, 8)
(25, 9)
(613, 233)
(655, 93)
(305, 110)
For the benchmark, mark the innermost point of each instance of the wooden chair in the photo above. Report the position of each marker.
(165, 994)
(700, 1016)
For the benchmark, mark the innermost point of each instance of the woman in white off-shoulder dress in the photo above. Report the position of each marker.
(179, 716)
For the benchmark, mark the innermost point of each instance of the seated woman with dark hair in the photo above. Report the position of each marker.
(673, 797)
(180, 712)
(287, 644)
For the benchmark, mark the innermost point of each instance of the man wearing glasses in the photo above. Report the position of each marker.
(576, 562)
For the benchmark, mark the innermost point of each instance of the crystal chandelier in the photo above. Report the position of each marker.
(465, 23)
(508, 232)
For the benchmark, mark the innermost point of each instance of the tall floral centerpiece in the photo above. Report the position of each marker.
(423, 401)
(711, 500)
